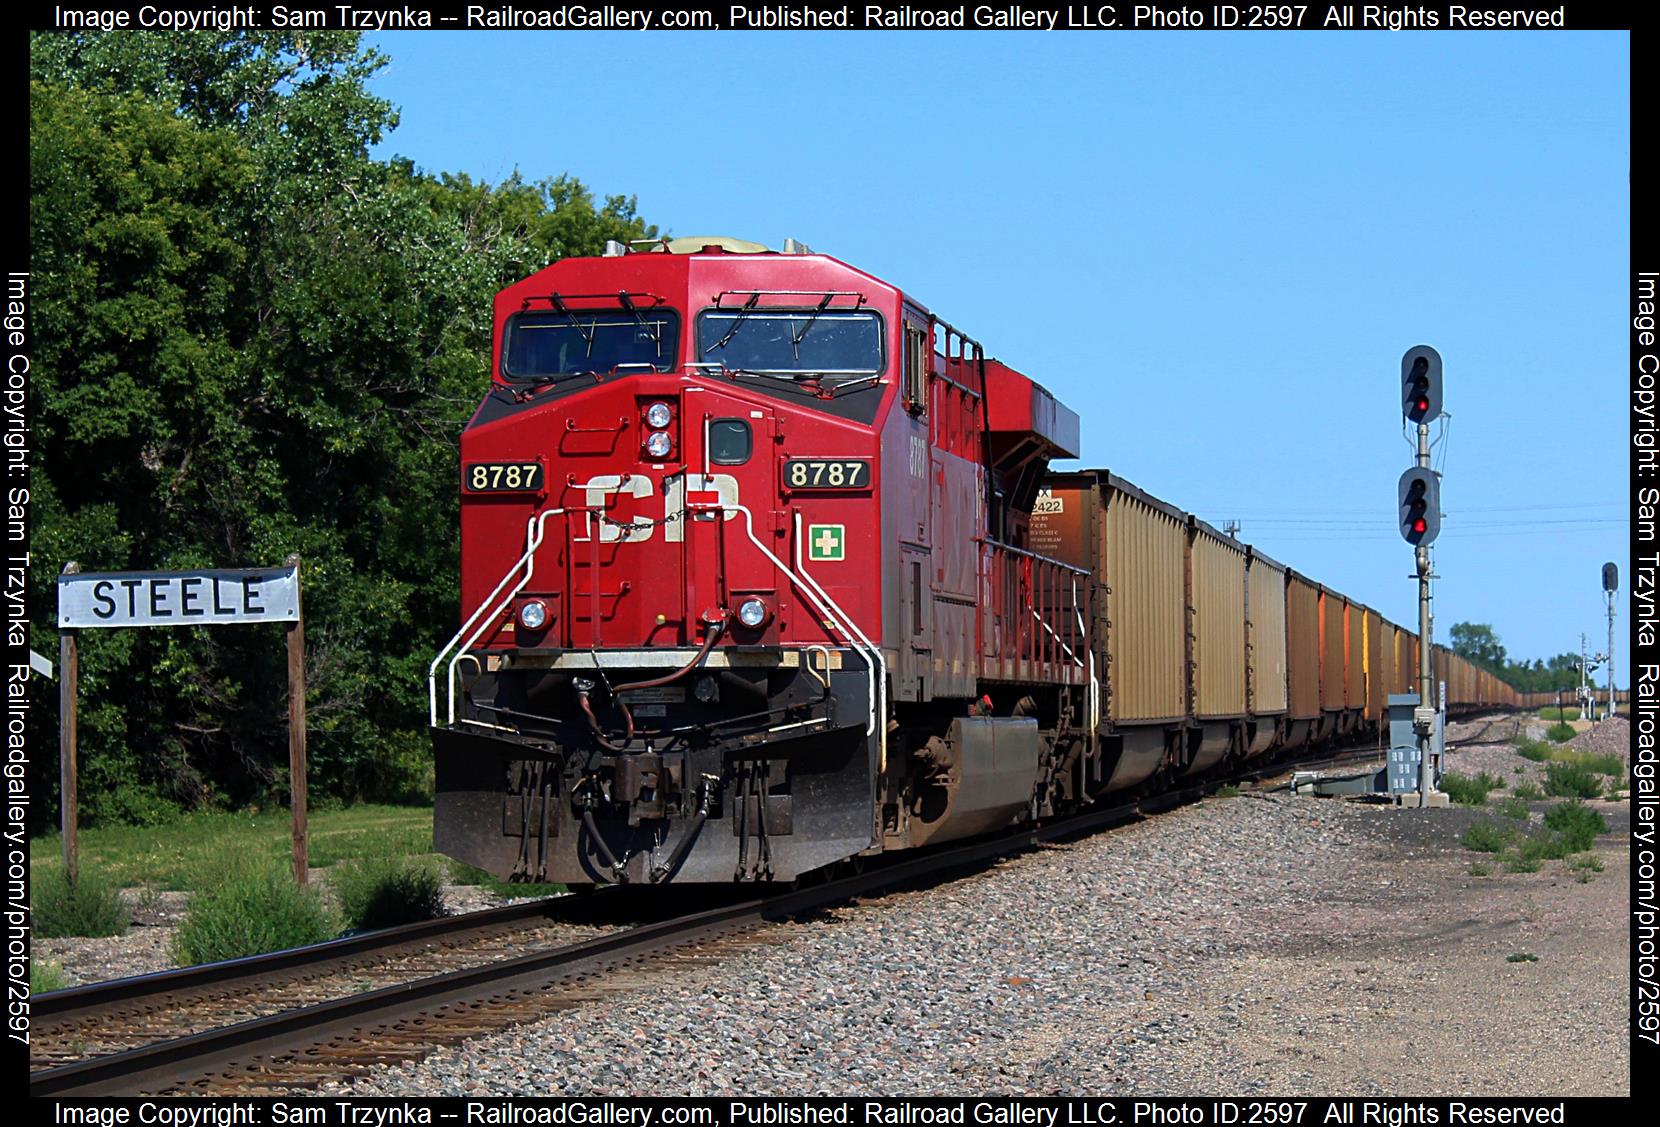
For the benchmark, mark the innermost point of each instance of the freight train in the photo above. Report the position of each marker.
(764, 570)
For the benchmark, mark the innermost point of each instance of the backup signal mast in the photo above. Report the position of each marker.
(1418, 509)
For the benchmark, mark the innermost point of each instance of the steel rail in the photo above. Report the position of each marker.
(187, 1061)
(80, 1002)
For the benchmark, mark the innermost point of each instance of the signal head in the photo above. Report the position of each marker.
(1418, 506)
(1421, 384)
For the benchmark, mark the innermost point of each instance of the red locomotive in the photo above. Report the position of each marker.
(749, 588)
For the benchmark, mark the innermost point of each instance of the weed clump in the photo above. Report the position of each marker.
(1513, 808)
(90, 907)
(378, 892)
(1577, 824)
(45, 976)
(1467, 790)
(1560, 733)
(1486, 837)
(252, 910)
(1571, 780)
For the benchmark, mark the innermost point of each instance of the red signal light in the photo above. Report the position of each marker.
(1423, 405)
(1419, 525)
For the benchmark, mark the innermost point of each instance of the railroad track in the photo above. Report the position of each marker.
(321, 1013)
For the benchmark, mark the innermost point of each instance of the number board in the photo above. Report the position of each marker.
(827, 473)
(502, 477)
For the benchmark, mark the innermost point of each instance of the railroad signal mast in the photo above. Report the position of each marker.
(1610, 584)
(1419, 514)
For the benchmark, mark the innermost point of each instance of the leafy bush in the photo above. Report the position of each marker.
(1560, 733)
(1486, 837)
(1577, 823)
(1588, 862)
(1536, 750)
(1571, 780)
(1513, 807)
(1522, 862)
(44, 976)
(252, 910)
(90, 907)
(1469, 790)
(387, 891)
(1528, 792)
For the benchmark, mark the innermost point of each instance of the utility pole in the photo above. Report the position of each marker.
(1419, 512)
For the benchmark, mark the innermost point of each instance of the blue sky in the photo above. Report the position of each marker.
(1214, 247)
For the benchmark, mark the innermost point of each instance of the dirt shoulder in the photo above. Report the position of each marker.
(1403, 983)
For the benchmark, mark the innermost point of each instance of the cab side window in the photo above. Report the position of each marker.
(916, 368)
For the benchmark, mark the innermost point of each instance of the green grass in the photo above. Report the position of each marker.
(255, 907)
(45, 975)
(1528, 792)
(1514, 808)
(1546, 753)
(1468, 790)
(90, 907)
(1551, 712)
(386, 891)
(1611, 765)
(1521, 957)
(173, 856)
(1588, 862)
(1560, 733)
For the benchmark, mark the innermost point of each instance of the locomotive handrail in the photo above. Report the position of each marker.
(875, 667)
(535, 533)
(875, 664)
(1010, 548)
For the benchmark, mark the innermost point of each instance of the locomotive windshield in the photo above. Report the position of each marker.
(545, 344)
(835, 344)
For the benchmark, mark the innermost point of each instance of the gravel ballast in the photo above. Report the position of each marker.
(1261, 943)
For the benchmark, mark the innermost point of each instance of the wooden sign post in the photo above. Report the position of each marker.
(69, 683)
(296, 728)
(180, 598)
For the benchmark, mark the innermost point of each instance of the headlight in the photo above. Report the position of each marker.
(533, 615)
(658, 415)
(752, 613)
(658, 444)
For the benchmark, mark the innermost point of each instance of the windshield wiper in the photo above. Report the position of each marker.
(587, 331)
(736, 321)
(797, 338)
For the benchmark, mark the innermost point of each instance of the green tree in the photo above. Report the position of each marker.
(1478, 643)
(254, 339)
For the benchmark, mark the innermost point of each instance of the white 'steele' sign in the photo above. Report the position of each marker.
(178, 598)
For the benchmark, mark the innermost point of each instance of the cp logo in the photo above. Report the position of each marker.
(675, 489)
